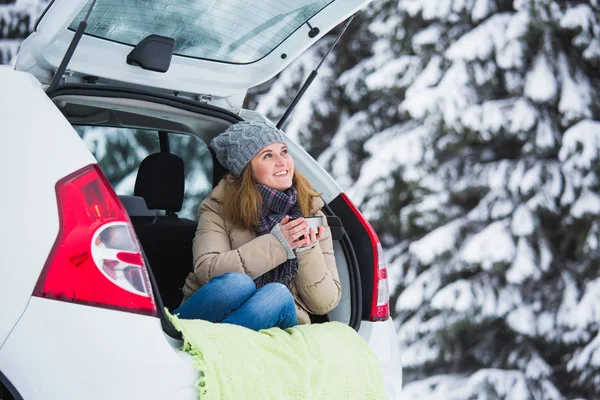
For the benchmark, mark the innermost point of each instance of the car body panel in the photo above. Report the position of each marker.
(65, 351)
(226, 83)
(40, 147)
(381, 337)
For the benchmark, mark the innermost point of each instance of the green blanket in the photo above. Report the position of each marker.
(321, 361)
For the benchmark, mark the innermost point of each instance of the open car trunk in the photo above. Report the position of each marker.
(106, 117)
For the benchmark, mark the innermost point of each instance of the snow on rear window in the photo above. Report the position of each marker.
(234, 31)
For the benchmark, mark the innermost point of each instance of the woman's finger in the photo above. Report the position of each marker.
(313, 236)
(294, 222)
(298, 227)
(321, 232)
(301, 233)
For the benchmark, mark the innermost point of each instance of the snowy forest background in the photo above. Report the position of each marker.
(468, 131)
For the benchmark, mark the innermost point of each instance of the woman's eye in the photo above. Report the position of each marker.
(267, 156)
(284, 152)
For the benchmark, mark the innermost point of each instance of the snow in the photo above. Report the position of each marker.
(585, 134)
(392, 148)
(522, 320)
(513, 52)
(430, 9)
(546, 256)
(429, 77)
(532, 179)
(451, 96)
(541, 85)
(587, 205)
(491, 246)
(430, 36)
(566, 315)
(420, 353)
(524, 265)
(484, 384)
(338, 158)
(437, 387)
(436, 243)
(588, 357)
(592, 53)
(554, 183)
(592, 242)
(488, 118)
(504, 383)
(387, 76)
(496, 174)
(419, 291)
(458, 296)
(482, 9)
(475, 299)
(481, 42)
(8, 50)
(575, 97)
(276, 100)
(538, 368)
(545, 135)
(579, 16)
(127, 184)
(588, 308)
(522, 221)
(501, 208)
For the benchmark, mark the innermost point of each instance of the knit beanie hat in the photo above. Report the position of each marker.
(241, 141)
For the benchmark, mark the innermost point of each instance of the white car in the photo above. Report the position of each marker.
(102, 168)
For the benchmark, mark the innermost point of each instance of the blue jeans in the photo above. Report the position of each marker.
(232, 298)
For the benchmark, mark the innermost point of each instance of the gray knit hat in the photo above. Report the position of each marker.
(240, 142)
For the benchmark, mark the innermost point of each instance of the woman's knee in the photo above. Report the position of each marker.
(234, 281)
(279, 294)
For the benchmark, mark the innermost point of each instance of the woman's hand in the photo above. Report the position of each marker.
(297, 234)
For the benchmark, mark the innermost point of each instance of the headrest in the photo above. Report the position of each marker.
(160, 181)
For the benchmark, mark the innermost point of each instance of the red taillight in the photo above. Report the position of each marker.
(96, 259)
(380, 309)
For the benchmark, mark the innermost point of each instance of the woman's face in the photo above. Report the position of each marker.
(273, 166)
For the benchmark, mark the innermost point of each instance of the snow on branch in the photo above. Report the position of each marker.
(493, 245)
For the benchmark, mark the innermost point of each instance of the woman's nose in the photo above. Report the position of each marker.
(279, 160)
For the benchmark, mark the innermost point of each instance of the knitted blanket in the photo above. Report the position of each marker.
(309, 362)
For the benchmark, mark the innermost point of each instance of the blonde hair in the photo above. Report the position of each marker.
(242, 201)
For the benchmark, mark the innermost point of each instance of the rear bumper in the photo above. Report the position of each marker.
(66, 351)
(382, 338)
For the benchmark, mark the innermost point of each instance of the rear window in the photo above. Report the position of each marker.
(234, 31)
(120, 151)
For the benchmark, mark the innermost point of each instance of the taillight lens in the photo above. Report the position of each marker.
(96, 259)
(380, 308)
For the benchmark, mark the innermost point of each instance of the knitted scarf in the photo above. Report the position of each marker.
(276, 205)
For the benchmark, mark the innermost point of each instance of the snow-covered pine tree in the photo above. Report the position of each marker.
(17, 20)
(498, 147)
(469, 138)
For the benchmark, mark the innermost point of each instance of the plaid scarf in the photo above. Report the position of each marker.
(276, 205)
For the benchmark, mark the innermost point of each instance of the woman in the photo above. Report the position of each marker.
(256, 263)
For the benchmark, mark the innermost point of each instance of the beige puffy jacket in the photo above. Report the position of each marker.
(220, 247)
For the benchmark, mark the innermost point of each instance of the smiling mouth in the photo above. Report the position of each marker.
(281, 174)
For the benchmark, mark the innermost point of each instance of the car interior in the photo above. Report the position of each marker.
(160, 190)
